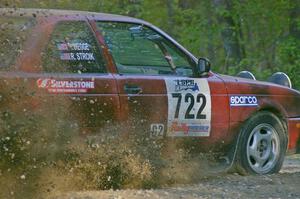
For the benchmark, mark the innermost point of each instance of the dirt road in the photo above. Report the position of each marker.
(286, 184)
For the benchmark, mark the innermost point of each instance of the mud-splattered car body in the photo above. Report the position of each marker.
(208, 111)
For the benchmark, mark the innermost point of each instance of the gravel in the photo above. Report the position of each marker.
(286, 184)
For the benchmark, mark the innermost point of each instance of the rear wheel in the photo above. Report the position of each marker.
(262, 145)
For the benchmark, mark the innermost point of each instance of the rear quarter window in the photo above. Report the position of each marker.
(14, 31)
(72, 49)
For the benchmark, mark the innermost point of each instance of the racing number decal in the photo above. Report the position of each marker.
(157, 130)
(189, 107)
(189, 98)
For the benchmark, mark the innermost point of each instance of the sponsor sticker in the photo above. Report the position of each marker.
(189, 107)
(63, 86)
(186, 84)
(239, 101)
(184, 129)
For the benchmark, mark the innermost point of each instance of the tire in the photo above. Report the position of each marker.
(262, 145)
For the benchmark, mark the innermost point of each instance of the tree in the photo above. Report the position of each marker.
(230, 33)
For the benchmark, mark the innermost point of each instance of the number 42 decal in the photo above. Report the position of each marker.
(190, 98)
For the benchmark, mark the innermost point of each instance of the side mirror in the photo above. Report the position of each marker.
(203, 65)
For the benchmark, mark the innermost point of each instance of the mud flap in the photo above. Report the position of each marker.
(226, 162)
(298, 146)
(230, 165)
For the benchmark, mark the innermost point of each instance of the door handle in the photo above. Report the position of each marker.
(132, 89)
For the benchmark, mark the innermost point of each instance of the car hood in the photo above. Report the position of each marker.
(249, 86)
(270, 95)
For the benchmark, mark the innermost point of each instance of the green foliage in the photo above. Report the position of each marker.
(289, 59)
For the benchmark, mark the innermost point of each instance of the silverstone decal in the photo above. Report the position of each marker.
(238, 101)
(189, 107)
(62, 86)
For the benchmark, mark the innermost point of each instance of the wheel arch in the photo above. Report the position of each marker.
(278, 113)
(281, 114)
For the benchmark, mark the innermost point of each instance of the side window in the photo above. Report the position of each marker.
(72, 49)
(14, 31)
(137, 49)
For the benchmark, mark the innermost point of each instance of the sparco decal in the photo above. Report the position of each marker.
(243, 101)
(62, 86)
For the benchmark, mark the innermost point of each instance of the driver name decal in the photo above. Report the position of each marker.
(73, 46)
(75, 52)
(189, 107)
(77, 57)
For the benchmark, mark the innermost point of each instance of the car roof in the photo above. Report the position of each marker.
(57, 13)
(42, 13)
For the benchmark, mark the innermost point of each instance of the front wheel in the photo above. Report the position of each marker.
(262, 145)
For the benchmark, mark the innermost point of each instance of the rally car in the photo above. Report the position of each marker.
(121, 70)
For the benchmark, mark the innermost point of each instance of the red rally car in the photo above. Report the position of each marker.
(118, 69)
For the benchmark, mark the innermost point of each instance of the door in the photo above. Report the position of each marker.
(159, 94)
(73, 86)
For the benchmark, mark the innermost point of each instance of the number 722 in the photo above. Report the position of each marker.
(190, 98)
